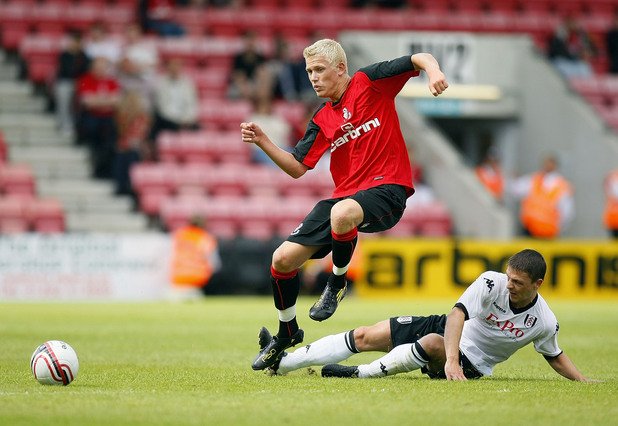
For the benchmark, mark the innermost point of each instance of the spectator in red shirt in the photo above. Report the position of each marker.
(98, 94)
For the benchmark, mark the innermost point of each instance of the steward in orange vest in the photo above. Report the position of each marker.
(539, 212)
(195, 255)
(611, 206)
(547, 201)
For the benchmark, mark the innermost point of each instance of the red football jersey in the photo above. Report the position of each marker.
(362, 131)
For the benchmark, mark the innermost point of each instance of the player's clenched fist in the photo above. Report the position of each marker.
(250, 132)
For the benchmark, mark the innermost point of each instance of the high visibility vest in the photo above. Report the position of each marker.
(492, 180)
(611, 206)
(192, 248)
(539, 210)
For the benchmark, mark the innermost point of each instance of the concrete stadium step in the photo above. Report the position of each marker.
(31, 120)
(22, 105)
(88, 190)
(106, 222)
(15, 89)
(48, 154)
(46, 170)
(35, 137)
(8, 71)
(81, 205)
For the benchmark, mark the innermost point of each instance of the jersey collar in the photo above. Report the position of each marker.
(525, 308)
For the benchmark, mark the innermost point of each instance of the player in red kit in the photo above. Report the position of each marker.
(369, 165)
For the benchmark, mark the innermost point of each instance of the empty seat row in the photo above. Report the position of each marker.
(18, 215)
(154, 182)
(264, 217)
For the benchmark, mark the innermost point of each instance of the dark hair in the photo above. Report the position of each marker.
(529, 261)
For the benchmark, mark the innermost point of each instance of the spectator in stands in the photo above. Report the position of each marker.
(99, 44)
(157, 16)
(137, 68)
(251, 76)
(290, 78)
(98, 95)
(611, 206)
(489, 172)
(570, 49)
(133, 123)
(369, 165)
(195, 256)
(273, 125)
(72, 64)
(547, 206)
(611, 45)
(176, 101)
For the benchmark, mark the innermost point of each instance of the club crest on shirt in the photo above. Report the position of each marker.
(346, 114)
(530, 320)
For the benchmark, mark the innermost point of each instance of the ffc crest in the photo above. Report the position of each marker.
(530, 320)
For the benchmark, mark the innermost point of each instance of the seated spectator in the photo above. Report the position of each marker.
(99, 44)
(98, 95)
(176, 101)
(290, 78)
(72, 64)
(570, 50)
(137, 68)
(133, 123)
(251, 76)
(276, 127)
(611, 205)
(157, 16)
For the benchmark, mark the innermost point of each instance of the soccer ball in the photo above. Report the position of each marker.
(54, 363)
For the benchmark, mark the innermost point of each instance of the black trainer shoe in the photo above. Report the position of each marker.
(273, 350)
(327, 304)
(336, 370)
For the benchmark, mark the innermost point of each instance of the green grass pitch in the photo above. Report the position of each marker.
(189, 363)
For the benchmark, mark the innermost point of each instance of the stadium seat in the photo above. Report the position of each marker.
(13, 215)
(17, 179)
(46, 216)
(224, 114)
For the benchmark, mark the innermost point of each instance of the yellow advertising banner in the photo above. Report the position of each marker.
(444, 268)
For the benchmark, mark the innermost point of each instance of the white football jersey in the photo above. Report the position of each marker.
(494, 330)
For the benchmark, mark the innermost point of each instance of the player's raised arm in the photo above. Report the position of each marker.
(252, 133)
(452, 337)
(565, 367)
(429, 64)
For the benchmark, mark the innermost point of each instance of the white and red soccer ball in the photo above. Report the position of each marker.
(54, 363)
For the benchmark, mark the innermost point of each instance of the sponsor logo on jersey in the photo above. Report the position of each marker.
(352, 132)
(346, 114)
(507, 327)
(404, 320)
(530, 320)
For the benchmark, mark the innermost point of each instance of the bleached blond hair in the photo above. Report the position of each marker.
(330, 49)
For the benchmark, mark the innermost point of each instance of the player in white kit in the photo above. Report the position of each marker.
(497, 315)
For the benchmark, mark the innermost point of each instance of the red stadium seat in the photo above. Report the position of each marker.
(13, 215)
(17, 179)
(46, 216)
(224, 114)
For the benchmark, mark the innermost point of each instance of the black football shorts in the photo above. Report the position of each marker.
(382, 207)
